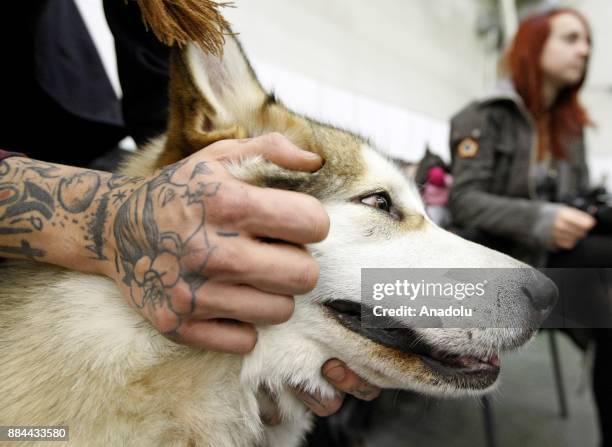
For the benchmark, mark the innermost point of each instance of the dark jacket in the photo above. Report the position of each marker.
(55, 86)
(494, 198)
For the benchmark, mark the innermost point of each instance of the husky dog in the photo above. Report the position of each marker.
(73, 352)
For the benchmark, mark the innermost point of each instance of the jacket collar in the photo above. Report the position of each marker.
(504, 90)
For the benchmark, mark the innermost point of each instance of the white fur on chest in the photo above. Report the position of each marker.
(97, 367)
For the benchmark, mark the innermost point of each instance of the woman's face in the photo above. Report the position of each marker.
(566, 52)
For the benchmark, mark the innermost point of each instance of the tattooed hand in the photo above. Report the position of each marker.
(185, 245)
(188, 250)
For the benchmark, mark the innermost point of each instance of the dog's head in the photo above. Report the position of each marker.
(377, 220)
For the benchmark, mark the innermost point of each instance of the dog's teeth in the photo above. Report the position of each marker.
(464, 360)
(494, 360)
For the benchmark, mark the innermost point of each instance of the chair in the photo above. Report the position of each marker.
(487, 406)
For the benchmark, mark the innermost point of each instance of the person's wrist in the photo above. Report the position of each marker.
(106, 265)
(100, 236)
(118, 195)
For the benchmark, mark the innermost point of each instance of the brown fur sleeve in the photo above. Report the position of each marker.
(176, 22)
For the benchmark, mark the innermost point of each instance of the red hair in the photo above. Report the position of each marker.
(567, 115)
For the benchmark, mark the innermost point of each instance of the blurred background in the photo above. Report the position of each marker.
(395, 71)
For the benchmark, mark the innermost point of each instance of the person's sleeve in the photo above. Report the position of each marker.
(143, 68)
(5, 154)
(474, 141)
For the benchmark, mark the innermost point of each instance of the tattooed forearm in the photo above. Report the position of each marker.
(45, 204)
(95, 228)
(24, 249)
(149, 234)
(87, 183)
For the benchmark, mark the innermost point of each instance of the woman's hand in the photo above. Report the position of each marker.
(570, 226)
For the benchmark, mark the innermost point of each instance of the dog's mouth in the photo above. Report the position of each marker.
(484, 369)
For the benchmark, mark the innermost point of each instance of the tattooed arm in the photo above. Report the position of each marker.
(184, 245)
(48, 213)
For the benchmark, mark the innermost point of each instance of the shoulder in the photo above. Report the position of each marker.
(480, 117)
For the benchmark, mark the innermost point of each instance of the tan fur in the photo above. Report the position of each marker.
(190, 127)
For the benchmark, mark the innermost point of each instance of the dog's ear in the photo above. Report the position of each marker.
(211, 98)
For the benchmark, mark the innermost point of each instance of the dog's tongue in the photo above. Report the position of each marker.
(494, 360)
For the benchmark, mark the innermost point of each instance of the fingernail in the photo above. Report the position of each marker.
(311, 155)
(364, 391)
(337, 373)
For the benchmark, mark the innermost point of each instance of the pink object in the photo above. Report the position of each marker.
(437, 187)
(434, 195)
(436, 176)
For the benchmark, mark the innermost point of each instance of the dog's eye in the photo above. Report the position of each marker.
(380, 201)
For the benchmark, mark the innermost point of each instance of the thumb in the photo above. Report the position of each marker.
(274, 147)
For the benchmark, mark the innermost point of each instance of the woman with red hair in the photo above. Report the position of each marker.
(519, 159)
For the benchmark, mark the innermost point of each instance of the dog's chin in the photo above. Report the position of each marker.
(451, 372)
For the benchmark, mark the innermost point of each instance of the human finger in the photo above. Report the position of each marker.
(565, 242)
(266, 212)
(571, 231)
(579, 219)
(217, 335)
(566, 228)
(242, 303)
(276, 268)
(339, 375)
(286, 215)
(320, 406)
(274, 147)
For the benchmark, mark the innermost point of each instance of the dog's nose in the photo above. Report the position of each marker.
(542, 293)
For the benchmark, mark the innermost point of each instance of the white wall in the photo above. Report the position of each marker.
(597, 95)
(419, 55)
(393, 70)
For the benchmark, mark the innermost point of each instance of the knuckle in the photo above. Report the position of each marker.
(181, 299)
(227, 261)
(307, 276)
(313, 217)
(232, 207)
(332, 406)
(369, 394)
(320, 223)
(275, 140)
(289, 308)
(165, 320)
(234, 308)
(283, 311)
(246, 343)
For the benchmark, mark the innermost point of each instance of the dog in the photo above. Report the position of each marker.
(74, 353)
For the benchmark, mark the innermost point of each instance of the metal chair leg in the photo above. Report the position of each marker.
(488, 421)
(558, 375)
